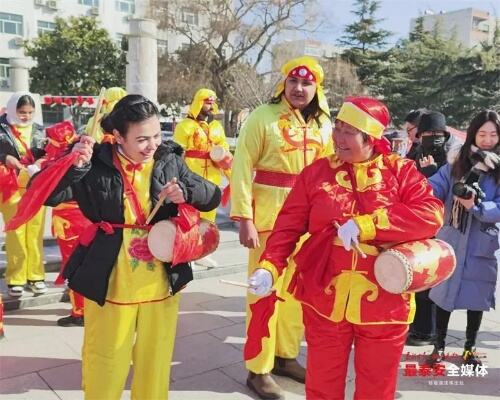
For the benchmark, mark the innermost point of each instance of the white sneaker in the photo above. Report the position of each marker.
(38, 287)
(207, 262)
(16, 291)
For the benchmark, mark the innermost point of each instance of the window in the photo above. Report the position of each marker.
(125, 6)
(4, 72)
(45, 26)
(162, 47)
(189, 17)
(11, 23)
(91, 3)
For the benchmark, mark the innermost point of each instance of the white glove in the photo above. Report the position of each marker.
(261, 282)
(32, 169)
(348, 232)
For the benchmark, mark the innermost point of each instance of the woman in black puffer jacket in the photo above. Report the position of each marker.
(131, 303)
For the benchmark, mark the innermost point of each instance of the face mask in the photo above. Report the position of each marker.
(433, 142)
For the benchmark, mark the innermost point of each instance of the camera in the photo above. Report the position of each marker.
(469, 187)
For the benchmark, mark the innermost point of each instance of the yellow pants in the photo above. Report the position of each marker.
(115, 335)
(209, 215)
(24, 245)
(207, 170)
(285, 326)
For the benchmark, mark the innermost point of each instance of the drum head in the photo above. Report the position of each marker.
(217, 153)
(391, 272)
(161, 239)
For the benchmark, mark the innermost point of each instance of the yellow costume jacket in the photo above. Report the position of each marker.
(275, 139)
(197, 138)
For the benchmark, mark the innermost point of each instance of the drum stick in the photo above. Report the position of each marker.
(160, 202)
(100, 101)
(353, 243)
(241, 284)
(157, 207)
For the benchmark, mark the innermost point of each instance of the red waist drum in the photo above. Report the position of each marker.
(415, 266)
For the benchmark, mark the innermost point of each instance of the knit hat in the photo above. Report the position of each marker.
(432, 121)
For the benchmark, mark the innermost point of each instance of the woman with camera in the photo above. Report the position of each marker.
(470, 189)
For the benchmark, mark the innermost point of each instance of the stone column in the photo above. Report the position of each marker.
(142, 68)
(19, 74)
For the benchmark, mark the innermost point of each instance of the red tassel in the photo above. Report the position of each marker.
(68, 101)
(47, 100)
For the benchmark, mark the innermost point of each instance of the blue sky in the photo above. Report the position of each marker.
(397, 14)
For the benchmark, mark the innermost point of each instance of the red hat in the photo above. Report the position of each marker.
(370, 116)
(367, 114)
(302, 72)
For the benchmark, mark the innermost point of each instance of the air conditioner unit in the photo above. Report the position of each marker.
(94, 11)
(18, 41)
(39, 2)
(54, 4)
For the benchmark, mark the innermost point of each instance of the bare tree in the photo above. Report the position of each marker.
(232, 32)
(340, 81)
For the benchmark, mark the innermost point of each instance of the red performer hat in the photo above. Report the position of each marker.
(302, 72)
(370, 116)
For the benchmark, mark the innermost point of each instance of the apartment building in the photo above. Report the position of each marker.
(469, 26)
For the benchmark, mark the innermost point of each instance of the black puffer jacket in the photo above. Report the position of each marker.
(8, 145)
(98, 189)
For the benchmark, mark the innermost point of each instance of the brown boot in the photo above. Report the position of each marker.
(290, 368)
(265, 386)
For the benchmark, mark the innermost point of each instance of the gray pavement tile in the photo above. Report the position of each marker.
(199, 353)
(21, 365)
(193, 300)
(238, 372)
(212, 385)
(26, 387)
(233, 335)
(200, 320)
(232, 308)
(213, 286)
(66, 380)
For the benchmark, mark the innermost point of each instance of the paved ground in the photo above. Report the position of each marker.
(40, 361)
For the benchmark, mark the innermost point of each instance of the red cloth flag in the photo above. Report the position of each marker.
(226, 196)
(42, 185)
(8, 182)
(258, 328)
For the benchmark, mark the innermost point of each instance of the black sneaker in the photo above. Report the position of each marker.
(469, 358)
(70, 321)
(415, 339)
